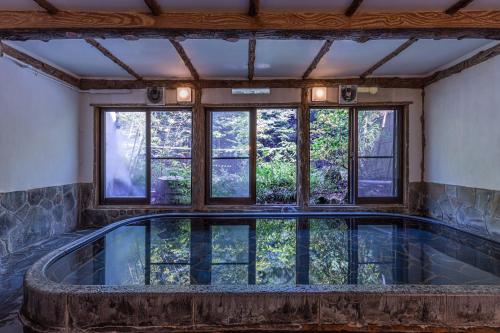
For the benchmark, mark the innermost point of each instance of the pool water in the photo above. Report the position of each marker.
(281, 251)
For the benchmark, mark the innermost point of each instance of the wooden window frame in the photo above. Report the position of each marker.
(146, 201)
(252, 158)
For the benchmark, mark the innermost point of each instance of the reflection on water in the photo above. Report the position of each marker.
(281, 251)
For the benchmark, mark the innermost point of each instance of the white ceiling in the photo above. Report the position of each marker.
(242, 5)
(157, 58)
(349, 58)
(425, 56)
(218, 58)
(151, 58)
(284, 58)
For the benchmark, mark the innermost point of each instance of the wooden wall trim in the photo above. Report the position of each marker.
(271, 25)
(198, 153)
(39, 65)
(303, 146)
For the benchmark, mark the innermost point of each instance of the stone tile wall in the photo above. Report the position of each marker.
(471, 209)
(29, 217)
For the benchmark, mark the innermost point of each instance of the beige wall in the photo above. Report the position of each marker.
(38, 130)
(463, 128)
(221, 96)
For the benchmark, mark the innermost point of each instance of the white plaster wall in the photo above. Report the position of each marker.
(38, 130)
(462, 120)
(222, 96)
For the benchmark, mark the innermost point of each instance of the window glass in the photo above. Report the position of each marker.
(329, 156)
(125, 160)
(276, 156)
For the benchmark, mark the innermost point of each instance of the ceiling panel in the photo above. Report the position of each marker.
(107, 5)
(153, 58)
(201, 5)
(301, 5)
(76, 56)
(218, 58)
(284, 58)
(19, 5)
(425, 56)
(484, 5)
(349, 58)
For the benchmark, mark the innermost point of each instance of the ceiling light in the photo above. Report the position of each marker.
(184, 95)
(318, 94)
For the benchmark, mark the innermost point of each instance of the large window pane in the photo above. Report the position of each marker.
(230, 178)
(276, 156)
(171, 181)
(376, 133)
(377, 167)
(125, 160)
(171, 157)
(230, 134)
(376, 177)
(329, 162)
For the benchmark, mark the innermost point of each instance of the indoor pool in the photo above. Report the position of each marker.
(303, 250)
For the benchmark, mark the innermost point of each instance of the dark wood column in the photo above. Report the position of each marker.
(303, 150)
(198, 152)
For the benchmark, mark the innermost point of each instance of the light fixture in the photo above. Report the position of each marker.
(184, 95)
(368, 90)
(318, 94)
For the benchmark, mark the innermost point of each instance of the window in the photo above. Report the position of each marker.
(370, 171)
(252, 156)
(146, 157)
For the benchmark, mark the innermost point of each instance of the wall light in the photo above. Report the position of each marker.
(318, 94)
(184, 95)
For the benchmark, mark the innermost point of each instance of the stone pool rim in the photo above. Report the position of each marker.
(44, 297)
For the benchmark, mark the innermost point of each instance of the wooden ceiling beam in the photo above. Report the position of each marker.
(112, 57)
(50, 8)
(252, 45)
(154, 7)
(353, 7)
(39, 65)
(324, 50)
(254, 8)
(476, 59)
(383, 82)
(182, 53)
(388, 57)
(458, 6)
(270, 25)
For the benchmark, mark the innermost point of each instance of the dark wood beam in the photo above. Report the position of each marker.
(39, 65)
(303, 149)
(112, 57)
(458, 6)
(388, 57)
(382, 82)
(154, 7)
(324, 50)
(50, 8)
(253, 9)
(476, 59)
(270, 25)
(252, 44)
(353, 8)
(182, 53)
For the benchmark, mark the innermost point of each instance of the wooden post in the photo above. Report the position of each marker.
(198, 153)
(303, 150)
